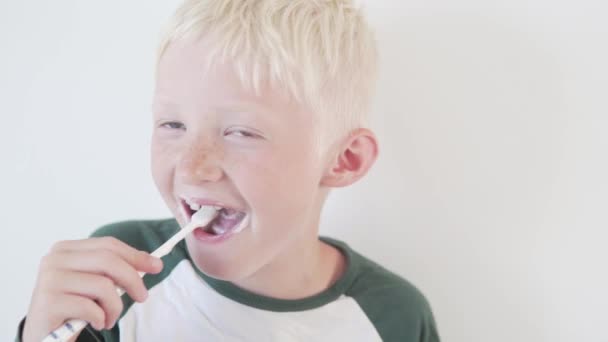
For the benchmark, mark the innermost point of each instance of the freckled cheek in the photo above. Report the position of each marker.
(248, 171)
(161, 163)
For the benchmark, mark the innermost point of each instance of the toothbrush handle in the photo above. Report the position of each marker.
(66, 331)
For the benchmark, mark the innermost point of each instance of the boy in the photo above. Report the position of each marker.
(259, 110)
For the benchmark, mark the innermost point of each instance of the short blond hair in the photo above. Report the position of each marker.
(322, 52)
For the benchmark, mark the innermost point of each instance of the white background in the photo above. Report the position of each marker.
(489, 194)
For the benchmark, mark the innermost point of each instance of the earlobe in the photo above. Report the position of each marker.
(354, 159)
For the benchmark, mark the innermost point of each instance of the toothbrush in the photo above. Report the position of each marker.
(199, 219)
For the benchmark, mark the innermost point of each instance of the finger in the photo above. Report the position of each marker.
(140, 260)
(94, 287)
(102, 262)
(62, 308)
(68, 306)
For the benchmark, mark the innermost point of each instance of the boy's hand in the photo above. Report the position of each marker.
(78, 279)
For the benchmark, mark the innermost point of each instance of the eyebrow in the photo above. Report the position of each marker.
(239, 106)
(247, 108)
(157, 105)
(234, 108)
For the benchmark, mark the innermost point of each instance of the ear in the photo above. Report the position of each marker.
(355, 156)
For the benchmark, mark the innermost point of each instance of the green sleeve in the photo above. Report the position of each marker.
(397, 309)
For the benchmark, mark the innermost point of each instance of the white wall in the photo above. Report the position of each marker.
(489, 193)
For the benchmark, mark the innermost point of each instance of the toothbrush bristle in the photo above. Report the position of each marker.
(204, 215)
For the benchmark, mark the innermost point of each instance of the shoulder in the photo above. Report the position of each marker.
(144, 235)
(396, 307)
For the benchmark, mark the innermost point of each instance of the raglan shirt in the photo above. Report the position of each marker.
(368, 302)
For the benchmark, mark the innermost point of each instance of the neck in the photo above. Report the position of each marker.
(305, 268)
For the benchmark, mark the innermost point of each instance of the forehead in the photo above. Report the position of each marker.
(186, 79)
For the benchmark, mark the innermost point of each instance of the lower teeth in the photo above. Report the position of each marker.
(215, 228)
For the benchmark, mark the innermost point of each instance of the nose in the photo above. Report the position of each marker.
(200, 162)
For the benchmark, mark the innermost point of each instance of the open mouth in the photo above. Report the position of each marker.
(228, 220)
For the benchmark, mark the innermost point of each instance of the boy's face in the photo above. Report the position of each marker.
(215, 141)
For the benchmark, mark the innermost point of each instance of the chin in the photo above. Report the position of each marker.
(218, 269)
(217, 266)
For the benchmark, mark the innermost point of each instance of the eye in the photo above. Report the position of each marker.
(244, 133)
(173, 125)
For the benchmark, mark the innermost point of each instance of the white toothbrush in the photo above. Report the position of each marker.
(199, 219)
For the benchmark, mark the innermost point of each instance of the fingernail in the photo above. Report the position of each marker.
(156, 262)
(99, 326)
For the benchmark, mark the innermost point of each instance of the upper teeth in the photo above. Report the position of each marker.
(196, 206)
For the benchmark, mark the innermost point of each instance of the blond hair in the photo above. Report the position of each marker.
(322, 52)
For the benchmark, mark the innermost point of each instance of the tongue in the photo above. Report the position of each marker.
(228, 219)
(225, 221)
